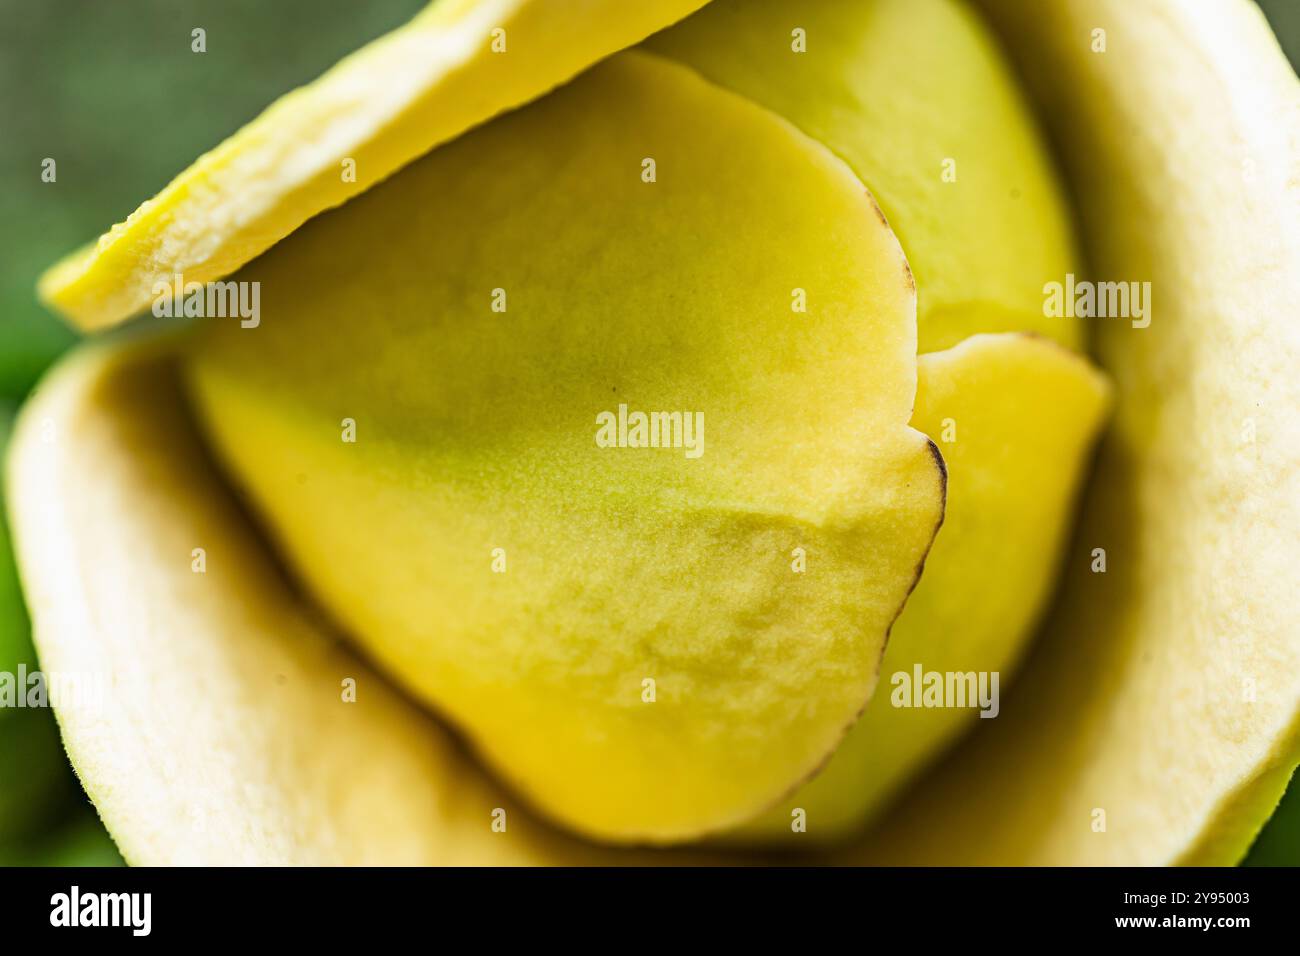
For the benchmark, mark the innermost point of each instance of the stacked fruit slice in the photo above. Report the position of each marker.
(647, 646)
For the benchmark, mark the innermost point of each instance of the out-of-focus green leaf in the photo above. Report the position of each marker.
(15, 643)
(36, 783)
(1279, 842)
(83, 841)
(77, 840)
(1284, 17)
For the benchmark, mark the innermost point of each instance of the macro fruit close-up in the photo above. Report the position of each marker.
(673, 432)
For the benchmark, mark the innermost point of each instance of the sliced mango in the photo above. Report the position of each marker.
(227, 736)
(455, 65)
(1159, 718)
(916, 97)
(627, 634)
(1015, 417)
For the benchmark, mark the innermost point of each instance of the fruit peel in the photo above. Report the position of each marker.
(226, 739)
(1016, 461)
(898, 89)
(1156, 722)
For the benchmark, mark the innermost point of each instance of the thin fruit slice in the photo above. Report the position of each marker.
(34, 779)
(225, 736)
(1159, 718)
(1015, 417)
(625, 633)
(915, 96)
(455, 65)
(15, 647)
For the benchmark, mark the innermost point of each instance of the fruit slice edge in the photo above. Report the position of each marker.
(1159, 716)
(618, 565)
(1016, 417)
(316, 147)
(223, 736)
(917, 98)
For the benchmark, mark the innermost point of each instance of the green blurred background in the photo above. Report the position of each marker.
(113, 93)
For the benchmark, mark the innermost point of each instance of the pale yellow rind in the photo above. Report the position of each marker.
(380, 108)
(1156, 722)
(222, 736)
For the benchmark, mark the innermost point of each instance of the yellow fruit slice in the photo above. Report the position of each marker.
(627, 634)
(1015, 417)
(455, 65)
(915, 96)
(223, 736)
(1157, 721)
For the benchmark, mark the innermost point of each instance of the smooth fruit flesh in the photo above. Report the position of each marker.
(476, 432)
(1015, 417)
(916, 97)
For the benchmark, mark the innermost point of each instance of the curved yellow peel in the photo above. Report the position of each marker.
(1157, 720)
(222, 736)
(651, 643)
(455, 65)
(1015, 417)
(1156, 723)
(916, 97)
